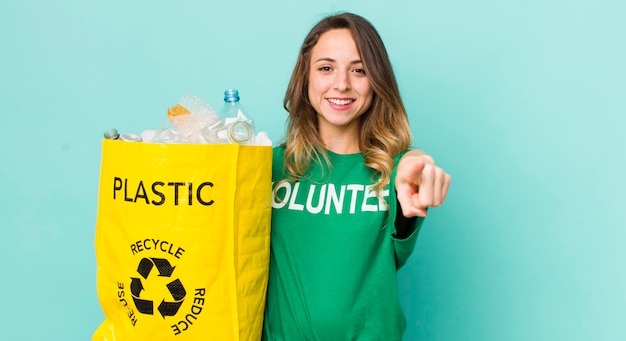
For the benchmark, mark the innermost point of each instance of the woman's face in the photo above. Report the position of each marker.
(338, 87)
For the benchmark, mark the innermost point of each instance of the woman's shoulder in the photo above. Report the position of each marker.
(278, 155)
(278, 151)
(398, 156)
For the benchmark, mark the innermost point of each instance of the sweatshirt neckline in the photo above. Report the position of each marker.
(352, 157)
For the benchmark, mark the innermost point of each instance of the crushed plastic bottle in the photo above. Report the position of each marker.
(131, 138)
(191, 117)
(167, 135)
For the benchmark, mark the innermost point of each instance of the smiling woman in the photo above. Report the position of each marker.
(349, 197)
(339, 90)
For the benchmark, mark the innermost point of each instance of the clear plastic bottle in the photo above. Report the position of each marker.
(238, 127)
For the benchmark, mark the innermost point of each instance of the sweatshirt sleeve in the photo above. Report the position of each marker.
(404, 231)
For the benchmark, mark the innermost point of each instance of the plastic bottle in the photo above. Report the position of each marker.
(131, 138)
(238, 127)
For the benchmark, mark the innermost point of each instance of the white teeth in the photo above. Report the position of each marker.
(340, 101)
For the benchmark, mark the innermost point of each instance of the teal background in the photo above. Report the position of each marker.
(520, 101)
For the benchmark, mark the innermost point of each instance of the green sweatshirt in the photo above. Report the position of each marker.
(334, 256)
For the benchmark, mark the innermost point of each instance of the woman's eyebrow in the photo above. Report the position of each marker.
(328, 59)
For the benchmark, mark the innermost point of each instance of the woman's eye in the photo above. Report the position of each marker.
(324, 68)
(362, 71)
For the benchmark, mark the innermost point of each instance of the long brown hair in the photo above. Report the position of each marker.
(385, 130)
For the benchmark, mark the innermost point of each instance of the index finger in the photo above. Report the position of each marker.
(426, 187)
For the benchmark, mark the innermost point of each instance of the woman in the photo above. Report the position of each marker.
(349, 198)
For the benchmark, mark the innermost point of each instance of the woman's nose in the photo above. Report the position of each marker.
(342, 81)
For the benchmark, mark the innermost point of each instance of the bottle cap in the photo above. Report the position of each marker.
(231, 95)
(111, 134)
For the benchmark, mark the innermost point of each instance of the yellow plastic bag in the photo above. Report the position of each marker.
(182, 241)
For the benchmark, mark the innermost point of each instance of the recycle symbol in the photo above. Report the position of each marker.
(175, 287)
